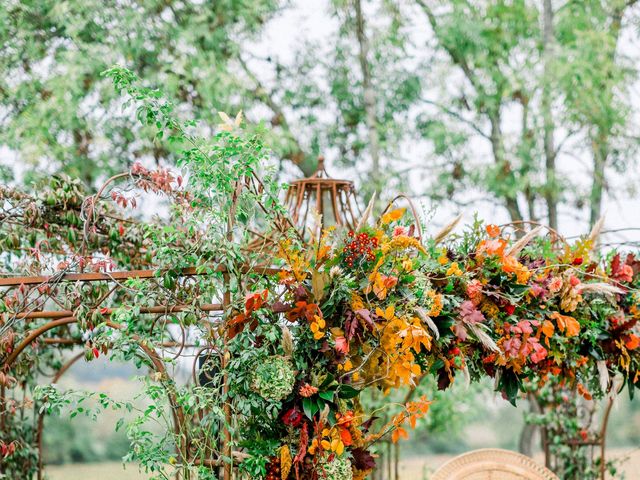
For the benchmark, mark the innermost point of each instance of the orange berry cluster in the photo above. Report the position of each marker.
(359, 247)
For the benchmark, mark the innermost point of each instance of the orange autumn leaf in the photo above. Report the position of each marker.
(632, 342)
(582, 390)
(322, 252)
(493, 230)
(547, 328)
(566, 324)
(399, 433)
(345, 436)
(393, 215)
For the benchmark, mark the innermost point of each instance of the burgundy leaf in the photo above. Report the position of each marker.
(301, 294)
(362, 459)
(365, 315)
(280, 307)
(366, 425)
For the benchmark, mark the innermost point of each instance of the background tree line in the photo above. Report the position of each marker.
(525, 103)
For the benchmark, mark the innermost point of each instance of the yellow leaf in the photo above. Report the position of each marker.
(285, 462)
(238, 119)
(318, 282)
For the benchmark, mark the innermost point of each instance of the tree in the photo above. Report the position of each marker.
(58, 114)
(540, 84)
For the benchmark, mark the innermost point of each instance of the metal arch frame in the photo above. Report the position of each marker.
(62, 318)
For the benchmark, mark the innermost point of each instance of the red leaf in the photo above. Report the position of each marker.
(302, 444)
(280, 307)
(342, 345)
(351, 325)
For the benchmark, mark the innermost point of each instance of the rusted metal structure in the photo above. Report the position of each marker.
(46, 306)
(334, 199)
(61, 320)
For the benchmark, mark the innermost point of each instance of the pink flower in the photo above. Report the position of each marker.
(555, 284)
(539, 352)
(460, 331)
(399, 231)
(523, 326)
(537, 291)
(626, 274)
(474, 291)
(512, 346)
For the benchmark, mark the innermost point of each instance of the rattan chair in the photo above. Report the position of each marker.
(493, 464)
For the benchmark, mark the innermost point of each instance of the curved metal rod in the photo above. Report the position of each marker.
(33, 336)
(183, 342)
(176, 410)
(556, 235)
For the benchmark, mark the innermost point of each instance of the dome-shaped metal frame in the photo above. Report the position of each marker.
(334, 199)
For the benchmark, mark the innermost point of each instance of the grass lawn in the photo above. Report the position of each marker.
(95, 471)
(410, 469)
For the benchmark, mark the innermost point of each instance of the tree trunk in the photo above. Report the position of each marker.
(600, 154)
(527, 435)
(497, 147)
(369, 96)
(550, 190)
(600, 144)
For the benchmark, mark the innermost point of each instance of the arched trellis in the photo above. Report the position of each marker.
(38, 292)
(59, 319)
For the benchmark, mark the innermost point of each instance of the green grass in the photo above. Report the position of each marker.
(95, 471)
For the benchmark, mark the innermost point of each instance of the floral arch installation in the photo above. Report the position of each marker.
(284, 330)
(79, 301)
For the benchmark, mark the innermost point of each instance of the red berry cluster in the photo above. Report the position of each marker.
(359, 248)
(273, 469)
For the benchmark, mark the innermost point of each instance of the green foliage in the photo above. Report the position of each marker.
(338, 469)
(62, 116)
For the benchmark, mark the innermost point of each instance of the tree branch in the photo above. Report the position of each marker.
(297, 156)
(369, 96)
(457, 116)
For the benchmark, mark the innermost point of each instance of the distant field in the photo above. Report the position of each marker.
(410, 469)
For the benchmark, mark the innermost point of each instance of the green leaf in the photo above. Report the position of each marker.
(328, 395)
(310, 407)
(346, 392)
